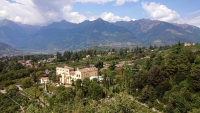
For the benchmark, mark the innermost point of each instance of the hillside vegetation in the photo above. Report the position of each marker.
(155, 79)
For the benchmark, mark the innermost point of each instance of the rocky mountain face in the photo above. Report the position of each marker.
(15, 34)
(60, 36)
(68, 36)
(161, 33)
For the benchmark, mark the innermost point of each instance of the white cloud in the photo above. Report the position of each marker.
(160, 12)
(110, 17)
(194, 21)
(54, 10)
(120, 2)
(42, 12)
(191, 21)
(194, 12)
(74, 17)
(133, 19)
(117, 2)
(67, 8)
(94, 1)
(38, 12)
(20, 11)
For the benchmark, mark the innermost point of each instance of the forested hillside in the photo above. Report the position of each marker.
(153, 79)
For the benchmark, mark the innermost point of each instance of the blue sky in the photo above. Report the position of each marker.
(43, 12)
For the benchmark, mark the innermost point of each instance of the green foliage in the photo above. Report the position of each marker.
(7, 106)
(120, 103)
(141, 79)
(177, 61)
(12, 74)
(52, 76)
(95, 90)
(157, 75)
(112, 66)
(197, 46)
(158, 60)
(26, 82)
(162, 88)
(195, 74)
(178, 77)
(99, 65)
(65, 95)
(148, 93)
(168, 82)
(12, 89)
(148, 64)
(127, 79)
(177, 102)
(79, 96)
(59, 57)
(78, 84)
(197, 60)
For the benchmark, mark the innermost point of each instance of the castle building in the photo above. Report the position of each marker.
(67, 74)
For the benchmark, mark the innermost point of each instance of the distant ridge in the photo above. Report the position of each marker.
(78, 36)
(63, 35)
(156, 32)
(6, 49)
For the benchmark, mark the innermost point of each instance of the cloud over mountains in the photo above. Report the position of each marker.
(160, 12)
(43, 12)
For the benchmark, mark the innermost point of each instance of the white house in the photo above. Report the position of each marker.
(44, 80)
(99, 78)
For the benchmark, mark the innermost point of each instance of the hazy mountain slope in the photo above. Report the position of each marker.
(64, 35)
(29, 29)
(8, 49)
(11, 33)
(138, 27)
(14, 33)
(161, 33)
(78, 36)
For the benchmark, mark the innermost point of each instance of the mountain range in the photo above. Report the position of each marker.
(61, 36)
(6, 49)
(154, 32)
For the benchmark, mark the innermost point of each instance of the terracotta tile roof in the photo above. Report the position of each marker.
(88, 69)
(67, 67)
(72, 72)
(45, 78)
(83, 70)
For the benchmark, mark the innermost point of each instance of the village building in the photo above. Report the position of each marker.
(189, 44)
(99, 78)
(44, 80)
(67, 74)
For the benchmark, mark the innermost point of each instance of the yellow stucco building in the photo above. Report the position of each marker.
(67, 74)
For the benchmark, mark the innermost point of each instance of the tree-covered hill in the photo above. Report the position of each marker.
(154, 79)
